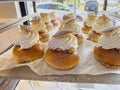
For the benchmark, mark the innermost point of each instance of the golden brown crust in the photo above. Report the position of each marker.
(93, 36)
(92, 16)
(86, 29)
(44, 36)
(80, 38)
(49, 27)
(68, 16)
(61, 60)
(103, 20)
(55, 24)
(107, 56)
(28, 55)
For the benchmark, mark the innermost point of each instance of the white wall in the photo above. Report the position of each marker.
(8, 10)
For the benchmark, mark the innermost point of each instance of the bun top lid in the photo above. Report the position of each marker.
(27, 37)
(63, 40)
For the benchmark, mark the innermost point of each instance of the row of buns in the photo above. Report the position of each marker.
(94, 25)
(102, 29)
(62, 50)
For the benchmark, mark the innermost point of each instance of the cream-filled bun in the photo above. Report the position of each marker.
(72, 25)
(39, 26)
(102, 23)
(69, 23)
(26, 45)
(107, 51)
(91, 19)
(62, 51)
(89, 22)
(66, 18)
(93, 36)
(45, 17)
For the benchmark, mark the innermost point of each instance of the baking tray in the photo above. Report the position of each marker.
(25, 72)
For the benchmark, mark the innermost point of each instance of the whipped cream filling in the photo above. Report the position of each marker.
(90, 23)
(39, 26)
(27, 39)
(72, 27)
(99, 28)
(63, 43)
(110, 42)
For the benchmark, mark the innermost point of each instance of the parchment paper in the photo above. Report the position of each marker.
(86, 65)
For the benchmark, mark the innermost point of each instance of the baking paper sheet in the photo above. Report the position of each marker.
(86, 65)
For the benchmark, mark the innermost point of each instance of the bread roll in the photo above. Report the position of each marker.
(61, 60)
(86, 29)
(28, 55)
(89, 22)
(107, 56)
(94, 36)
(44, 36)
(62, 51)
(27, 46)
(80, 38)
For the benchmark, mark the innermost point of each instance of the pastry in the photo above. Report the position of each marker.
(45, 17)
(71, 25)
(89, 22)
(39, 26)
(93, 36)
(66, 18)
(107, 51)
(53, 19)
(27, 46)
(102, 22)
(62, 51)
